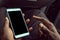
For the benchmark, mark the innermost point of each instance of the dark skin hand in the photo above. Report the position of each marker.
(6, 31)
(46, 29)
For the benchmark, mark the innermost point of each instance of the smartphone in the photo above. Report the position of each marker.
(17, 22)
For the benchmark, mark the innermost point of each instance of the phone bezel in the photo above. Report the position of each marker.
(20, 35)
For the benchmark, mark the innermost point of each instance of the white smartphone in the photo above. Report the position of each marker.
(17, 22)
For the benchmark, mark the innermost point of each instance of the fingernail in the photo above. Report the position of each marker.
(30, 29)
(7, 19)
(34, 16)
(28, 19)
(41, 25)
(23, 14)
(37, 17)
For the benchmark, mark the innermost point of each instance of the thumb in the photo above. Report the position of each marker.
(8, 34)
(6, 22)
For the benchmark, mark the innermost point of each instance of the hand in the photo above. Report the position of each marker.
(6, 31)
(47, 30)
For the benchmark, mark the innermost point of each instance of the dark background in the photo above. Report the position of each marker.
(45, 8)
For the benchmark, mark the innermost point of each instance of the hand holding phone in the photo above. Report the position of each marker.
(17, 22)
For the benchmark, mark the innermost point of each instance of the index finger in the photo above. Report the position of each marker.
(44, 21)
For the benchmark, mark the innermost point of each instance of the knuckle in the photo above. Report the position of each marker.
(50, 24)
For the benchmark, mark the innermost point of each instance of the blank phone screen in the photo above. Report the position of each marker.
(18, 23)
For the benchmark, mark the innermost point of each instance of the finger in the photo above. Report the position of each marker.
(47, 23)
(23, 14)
(6, 22)
(27, 21)
(7, 31)
(44, 21)
(47, 32)
(45, 29)
(30, 29)
(40, 27)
